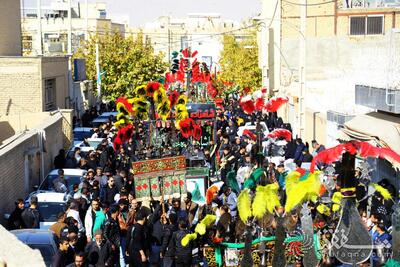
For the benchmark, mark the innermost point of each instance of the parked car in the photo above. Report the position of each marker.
(43, 240)
(49, 205)
(81, 133)
(73, 176)
(103, 118)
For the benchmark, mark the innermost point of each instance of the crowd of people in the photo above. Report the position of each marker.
(105, 225)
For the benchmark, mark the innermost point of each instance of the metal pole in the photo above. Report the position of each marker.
(98, 72)
(39, 34)
(86, 21)
(302, 68)
(69, 28)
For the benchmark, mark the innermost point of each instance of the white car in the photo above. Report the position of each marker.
(49, 205)
(72, 176)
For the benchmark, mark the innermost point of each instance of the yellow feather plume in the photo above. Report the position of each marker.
(182, 100)
(206, 222)
(305, 189)
(160, 95)
(323, 209)
(266, 199)
(383, 191)
(187, 238)
(163, 109)
(140, 91)
(336, 199)
(244, 205)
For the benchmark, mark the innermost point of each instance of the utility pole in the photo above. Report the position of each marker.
(86, 21)
(69, 28)
(169, 41)
(39, 33)
(98, 72)
(302, 69)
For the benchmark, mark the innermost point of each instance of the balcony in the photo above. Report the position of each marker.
(378, 98)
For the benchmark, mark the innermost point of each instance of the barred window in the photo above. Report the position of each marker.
(366, 25)
(50, 94)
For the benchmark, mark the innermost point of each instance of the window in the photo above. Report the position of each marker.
(50, 94)
(366, 25)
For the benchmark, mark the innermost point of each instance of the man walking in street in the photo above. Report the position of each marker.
(30, 216)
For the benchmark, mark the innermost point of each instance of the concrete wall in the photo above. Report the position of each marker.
(22, 162)
(10, 28)
(20, 86)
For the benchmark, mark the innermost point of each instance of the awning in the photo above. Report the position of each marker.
(379, 128)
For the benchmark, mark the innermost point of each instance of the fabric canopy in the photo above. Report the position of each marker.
(379, 128)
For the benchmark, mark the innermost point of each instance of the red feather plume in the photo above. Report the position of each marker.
(275, 103)
(197, 132)
(186, 127)
(251, 135)
(117, 143)
(259, 103)
(152, 87)
(328, 156)
(173, 98)
(125, 103)
(365, 149)
(185, 52)
(247, 104)
(281, 133)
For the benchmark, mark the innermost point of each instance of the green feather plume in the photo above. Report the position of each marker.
(244, 205)
(392, 263)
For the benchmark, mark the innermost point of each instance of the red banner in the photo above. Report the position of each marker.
(159, 165)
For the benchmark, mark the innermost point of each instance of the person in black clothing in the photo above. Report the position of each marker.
(60, 258)
(99, 251)
(15, 221)
(183, 255)
(167, 249)
(108, 193)
(112, 231)
(60, 160)
(30, 216)
(136, 245)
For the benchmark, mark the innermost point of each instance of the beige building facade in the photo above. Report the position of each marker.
(33, 84)
(344, 46)
(10, 32)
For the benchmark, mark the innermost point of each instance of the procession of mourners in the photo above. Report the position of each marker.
(161, 180)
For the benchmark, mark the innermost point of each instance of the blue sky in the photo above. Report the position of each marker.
(142, 11)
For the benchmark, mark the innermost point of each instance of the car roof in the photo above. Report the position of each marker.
(69, 172)
(34, 236)
(51, 197)
(83, 129)
(108, 114)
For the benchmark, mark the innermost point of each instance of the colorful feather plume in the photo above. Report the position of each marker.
(211, 191)
(163, 109)
(255, 176)
(206, 222)
(160, 95)
(250, 135)
(304, 189)
(152, 87)
(140, 91)
(123, 136)
(383, 191)
(323, 209)
(244, 205)
(265, 199)
(187, 238)
(173, 98)
(182, 100)
(365, 149)
(336, 199)
(186, 127)
(247, 104)
(281, 133)
(275, 103)
(197, 132)
(259, 104)
(123, 106)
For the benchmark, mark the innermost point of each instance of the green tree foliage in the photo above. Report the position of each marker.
(239, 62)
(126, 63)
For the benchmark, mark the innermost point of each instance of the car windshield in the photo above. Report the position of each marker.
(48, 210)
(47, 251)
(49, 186)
